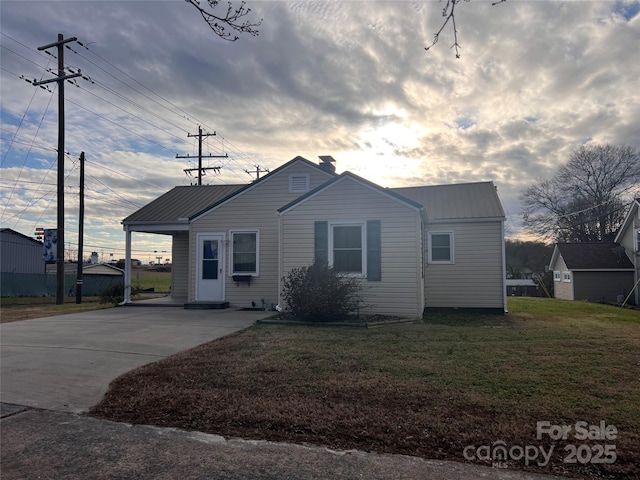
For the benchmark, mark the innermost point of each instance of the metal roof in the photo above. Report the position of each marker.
(180, 203)
(456, 201)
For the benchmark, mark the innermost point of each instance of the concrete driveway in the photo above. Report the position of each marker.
(66, 362)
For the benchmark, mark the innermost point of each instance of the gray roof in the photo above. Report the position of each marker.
(456, 201)
(181, 202)
(594, 256)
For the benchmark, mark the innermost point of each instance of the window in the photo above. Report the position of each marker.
(566, 277)
(244, 253)
(298, 183)
(346, 251)
(441, 247)
(210, 259)
(556, 276)
(354, 248)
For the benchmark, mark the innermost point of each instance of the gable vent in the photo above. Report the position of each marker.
(298, 183)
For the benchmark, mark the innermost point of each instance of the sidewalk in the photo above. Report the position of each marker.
(45, 444)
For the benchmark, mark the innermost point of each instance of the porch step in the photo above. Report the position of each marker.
(206, 305)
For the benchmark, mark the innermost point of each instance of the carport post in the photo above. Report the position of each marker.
(127, 266)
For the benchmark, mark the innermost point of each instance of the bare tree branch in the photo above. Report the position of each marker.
(448, 12)
(233, 19)
(586, 199)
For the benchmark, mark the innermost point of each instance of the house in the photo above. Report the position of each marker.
(629, 237)
(594, 271)
(414, 248)
(96, 277)
(522, 287)
(19, 253)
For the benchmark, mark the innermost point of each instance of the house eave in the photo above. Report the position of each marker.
(155, 227)
(600, 270)
(467, 220)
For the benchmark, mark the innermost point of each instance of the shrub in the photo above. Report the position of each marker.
(317, 293)
(114, 293)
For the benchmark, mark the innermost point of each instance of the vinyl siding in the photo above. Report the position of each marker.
(253, 209)
(180, 265)
(562, 290)
(601, 286)
(475, 280)
(400, 290)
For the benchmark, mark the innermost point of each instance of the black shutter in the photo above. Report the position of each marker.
(374, 251)
(321, 242)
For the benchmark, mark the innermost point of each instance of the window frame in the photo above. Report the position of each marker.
(557, 276)
(307, 180)
(452, 259)
(566, 277)
(232, 233)
(363, 246)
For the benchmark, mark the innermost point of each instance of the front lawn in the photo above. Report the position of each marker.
(428, 389)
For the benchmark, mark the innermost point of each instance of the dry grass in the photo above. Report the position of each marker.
(426, 389)
(26, 308)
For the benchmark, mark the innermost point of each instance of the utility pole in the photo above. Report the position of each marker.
(80, 233)
(61, 77)
(201, 169)
(258, 171)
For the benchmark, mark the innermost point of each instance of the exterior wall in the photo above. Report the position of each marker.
(19, 254)
(628, 241)
(252, 209)
(476, 279)
(561, 289)
(601, 286)
(180, 265)
(400, 292)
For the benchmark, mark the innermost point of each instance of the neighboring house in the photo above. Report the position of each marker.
(522, 287)
(413, 248)
(20, 253)
(95, 277)
(594, 271)
(629, 237)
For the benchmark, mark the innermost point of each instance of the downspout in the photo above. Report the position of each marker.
(504, 268)
(279, 216)
(127, 266)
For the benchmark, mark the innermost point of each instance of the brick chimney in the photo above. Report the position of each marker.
(327, 163)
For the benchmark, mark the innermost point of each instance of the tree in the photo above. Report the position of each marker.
(448, 12)
(233, 19)
(586, 199)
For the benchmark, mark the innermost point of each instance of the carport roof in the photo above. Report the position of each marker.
(180, 203)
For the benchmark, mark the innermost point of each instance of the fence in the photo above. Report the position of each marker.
(44, 285)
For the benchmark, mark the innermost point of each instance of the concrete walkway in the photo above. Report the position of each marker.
(62, 365)
(66, 362)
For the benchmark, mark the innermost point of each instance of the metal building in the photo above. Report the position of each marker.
(20, 253)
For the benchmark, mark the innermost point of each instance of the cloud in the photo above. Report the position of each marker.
(350, 79)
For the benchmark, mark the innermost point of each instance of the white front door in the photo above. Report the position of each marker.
(210, 269)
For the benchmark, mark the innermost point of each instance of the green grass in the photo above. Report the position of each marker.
(426, 389)
(159, 281)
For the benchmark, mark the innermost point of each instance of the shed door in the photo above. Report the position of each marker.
(210, 269)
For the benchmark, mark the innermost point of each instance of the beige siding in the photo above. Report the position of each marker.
(562, 289)
(476, 279)
(602, 286)
(400, 291)
(256, 209)
(180, 265)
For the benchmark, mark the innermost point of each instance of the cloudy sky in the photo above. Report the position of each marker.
(351, 79)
